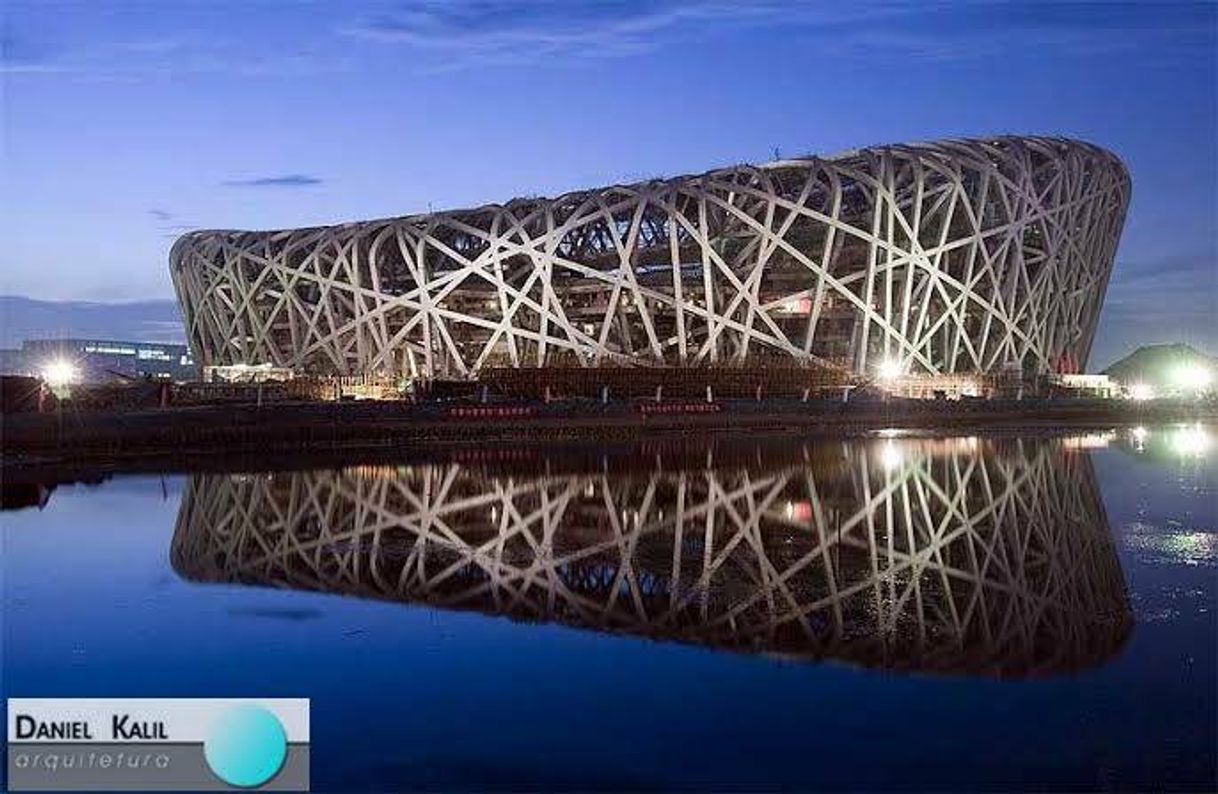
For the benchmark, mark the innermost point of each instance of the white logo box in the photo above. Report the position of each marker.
(183, 719)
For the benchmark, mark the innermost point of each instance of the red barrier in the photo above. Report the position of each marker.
(679, 408)
(490, 412)
(493, 455)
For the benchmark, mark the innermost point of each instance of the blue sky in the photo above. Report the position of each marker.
(125, 124)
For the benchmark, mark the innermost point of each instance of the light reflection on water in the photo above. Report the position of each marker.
(1172, 544)
(1187, 442)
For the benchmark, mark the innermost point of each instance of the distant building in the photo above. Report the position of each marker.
(99, 360)
(1089, 385)
(1165, 370)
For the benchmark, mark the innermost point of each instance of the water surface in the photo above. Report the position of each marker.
(893, 612)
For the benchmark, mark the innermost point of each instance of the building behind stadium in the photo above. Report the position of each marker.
(100, 360)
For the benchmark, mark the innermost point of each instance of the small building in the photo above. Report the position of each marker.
(101, 360)
(1174, 370)
(1100, 386)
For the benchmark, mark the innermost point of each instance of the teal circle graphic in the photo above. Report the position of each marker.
(246, 746)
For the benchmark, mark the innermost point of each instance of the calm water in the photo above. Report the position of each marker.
(904, 613)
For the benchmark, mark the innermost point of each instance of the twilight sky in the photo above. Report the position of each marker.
(125, 124)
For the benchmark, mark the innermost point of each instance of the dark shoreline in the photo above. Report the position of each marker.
(292, 435)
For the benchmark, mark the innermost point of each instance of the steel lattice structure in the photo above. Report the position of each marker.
(944, 257)
(948, 556)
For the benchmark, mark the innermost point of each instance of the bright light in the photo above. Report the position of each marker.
(890, 369)
(799, 511)
(1089, 441)
(1141, 391)
(59, 373)
(1139, 433)
(1190, 442)
(891, 457)
(1193, 377)
(796, 306)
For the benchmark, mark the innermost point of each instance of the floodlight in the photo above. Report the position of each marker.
(1193, 377)
(59, 373)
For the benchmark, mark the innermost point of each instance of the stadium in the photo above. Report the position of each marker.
(947, 259)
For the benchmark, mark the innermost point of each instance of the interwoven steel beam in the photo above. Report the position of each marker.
(944, 257)
(954, 556)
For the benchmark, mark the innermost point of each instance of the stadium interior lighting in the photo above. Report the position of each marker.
(1141, 391)
(59, 373)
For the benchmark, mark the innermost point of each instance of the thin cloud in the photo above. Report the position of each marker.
(165, 56)
(447, 35)
(287, 180)
(1135, 310)
(169, 224)
(1187, 283)
(19, 54)
(464, 33)
(470, 32)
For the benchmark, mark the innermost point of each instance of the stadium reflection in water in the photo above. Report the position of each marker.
(956, 556)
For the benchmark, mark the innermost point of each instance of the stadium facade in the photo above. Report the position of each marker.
(941, 258)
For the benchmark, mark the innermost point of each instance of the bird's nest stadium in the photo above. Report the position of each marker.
(954, 257)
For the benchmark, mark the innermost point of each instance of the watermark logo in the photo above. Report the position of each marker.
(149, 744)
